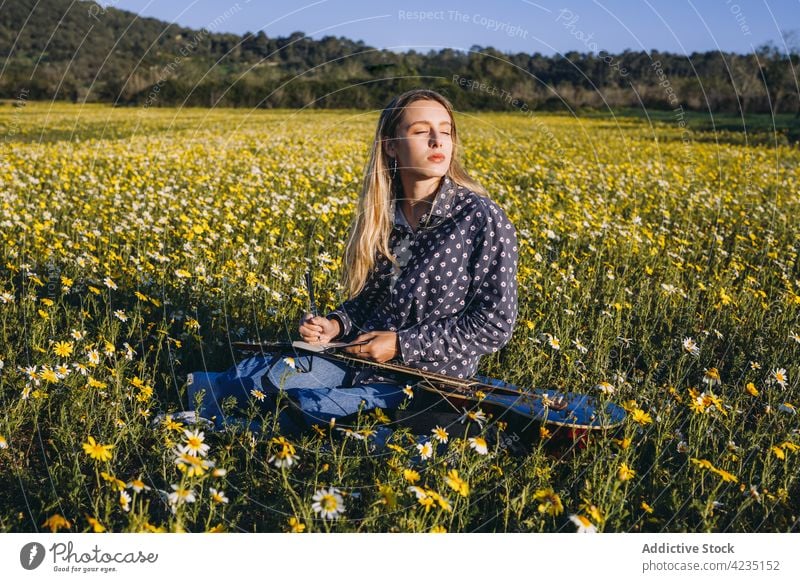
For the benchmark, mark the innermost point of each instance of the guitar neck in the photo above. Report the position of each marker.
(465, 385)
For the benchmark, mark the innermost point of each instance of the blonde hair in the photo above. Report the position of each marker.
(372, 224)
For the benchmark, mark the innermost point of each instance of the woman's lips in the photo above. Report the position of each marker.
(436, 158)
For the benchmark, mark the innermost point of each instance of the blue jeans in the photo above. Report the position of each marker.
(317, 390)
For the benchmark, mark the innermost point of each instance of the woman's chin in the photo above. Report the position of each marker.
(430, 171)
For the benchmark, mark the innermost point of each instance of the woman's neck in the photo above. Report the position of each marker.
(418, 196)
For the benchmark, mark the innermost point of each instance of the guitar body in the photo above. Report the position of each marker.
(577, 412)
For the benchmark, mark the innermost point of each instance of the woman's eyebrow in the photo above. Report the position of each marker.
(426, 122)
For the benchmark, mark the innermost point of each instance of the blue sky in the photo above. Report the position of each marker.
(545, 26)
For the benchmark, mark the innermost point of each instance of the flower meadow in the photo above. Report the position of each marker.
(658, 271)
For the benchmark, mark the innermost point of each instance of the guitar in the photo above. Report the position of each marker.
(547, 407)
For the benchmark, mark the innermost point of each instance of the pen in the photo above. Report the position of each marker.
(312, 306)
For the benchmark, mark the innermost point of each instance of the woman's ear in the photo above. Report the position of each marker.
(388, 147)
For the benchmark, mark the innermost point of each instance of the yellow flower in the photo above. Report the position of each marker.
(550, 502)
(641, 417)
(438, 529)
(97, 527)
(150, 528)
(623, 443)
(92, 383)
(173, 425)
(97, 451)
(119, 484)
(48, 375)
(646, 507)
(728, 477)
(56, 522)
(778, 452)
(387, 496)
(295, 525)
(456, 483)
(703, 463)
(410, 475)
(63, 349)
(380, 416)
(442, 501)
(427, 502)
(751, 389)
(625, 473)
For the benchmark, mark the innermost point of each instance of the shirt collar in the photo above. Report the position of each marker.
(442, 205)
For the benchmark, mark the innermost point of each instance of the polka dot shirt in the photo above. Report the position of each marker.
(453, 296)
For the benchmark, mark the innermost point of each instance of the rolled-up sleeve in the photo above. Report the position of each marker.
(487, 321)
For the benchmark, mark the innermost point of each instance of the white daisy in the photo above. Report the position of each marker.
(478, 444)
(181, 495)
(328, 503)
(779, 377)
(440, 434)
(425, 450)
(218, 496)
(605, 387)
(583, 524)
(194, 443)
(125, 501)
(691, 346)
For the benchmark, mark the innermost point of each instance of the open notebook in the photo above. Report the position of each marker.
(322, 347)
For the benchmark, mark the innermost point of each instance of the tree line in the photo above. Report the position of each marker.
(83, 52)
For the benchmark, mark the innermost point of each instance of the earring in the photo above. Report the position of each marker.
(394, 167)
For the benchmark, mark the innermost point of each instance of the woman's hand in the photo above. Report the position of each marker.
(381, 346)
(318, 329)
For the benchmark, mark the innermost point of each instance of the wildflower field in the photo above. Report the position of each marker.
(658, 271)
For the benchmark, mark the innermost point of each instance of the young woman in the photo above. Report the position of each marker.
(430, 269)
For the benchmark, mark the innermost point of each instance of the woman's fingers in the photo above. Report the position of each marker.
(308, 324)
(362, 350)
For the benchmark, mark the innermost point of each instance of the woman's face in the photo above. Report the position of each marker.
(423, 145)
